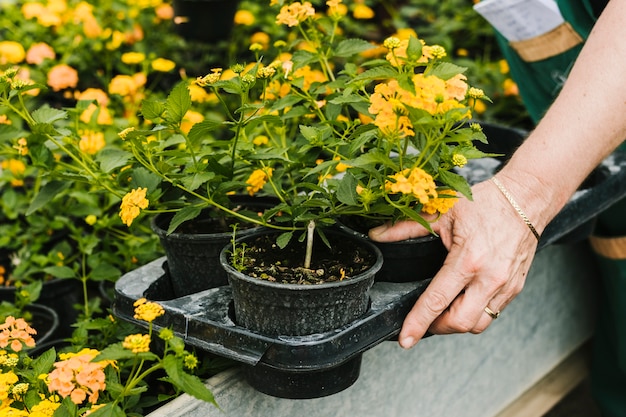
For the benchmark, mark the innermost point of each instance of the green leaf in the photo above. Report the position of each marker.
(109, 410)
(105, 271)
(60, 271)
(144, 178)
(178, 103)
(183, 215)
(414, 49)
(112, 158)
(117, 352)
(201, 129)
(456, 182)
(196, 180)
(376, 73)
(190, 384)
(447, 70)
(350, 47)
(47, 193)
(346, 192)
(43, 363)
(152, 110)
(283, 239)
(48, 115)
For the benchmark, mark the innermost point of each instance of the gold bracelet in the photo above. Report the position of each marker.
(515, 206)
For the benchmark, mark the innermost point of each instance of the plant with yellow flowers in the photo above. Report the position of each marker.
(327, 125)
(81, 381)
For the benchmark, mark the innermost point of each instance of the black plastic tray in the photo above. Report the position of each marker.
(205, 319)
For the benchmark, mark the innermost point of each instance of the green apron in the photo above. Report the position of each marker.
(539, 82)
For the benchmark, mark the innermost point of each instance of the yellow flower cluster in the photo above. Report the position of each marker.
(147, 310)
(137, 343)
(45, 408)
(444, 202)
(295, 13)
(7, 380)
(389, 101)
(78, 377)
(258, 179)
(16, 333)
(91, 142)
(132, 204)
(414, 181)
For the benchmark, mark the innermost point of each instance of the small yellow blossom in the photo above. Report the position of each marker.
(459, 160)
(244, 17)
(190, 361)
(147, 310)
(91, 219)
(130, 58)
(124, 133)
(260, 140)
(22, 147)
(362, 11)
(137, 343)
(132, 204)
(475, 92)
(391, 43)
(163, 65)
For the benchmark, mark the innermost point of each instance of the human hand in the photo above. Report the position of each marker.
(490, 251)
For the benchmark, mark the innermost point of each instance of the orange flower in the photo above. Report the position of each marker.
(77, 377)
(38, 52)
(62, 76)
(16, 334)
(295, 13)
(164, 11)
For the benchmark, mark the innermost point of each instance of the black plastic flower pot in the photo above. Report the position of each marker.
(45, 321)
(274, 308)
(204, 20)
(193, 251)
(407, 260)
(303, 385)
(59, 295)
(279, 309)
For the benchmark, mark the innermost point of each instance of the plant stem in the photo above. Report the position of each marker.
(310, 234)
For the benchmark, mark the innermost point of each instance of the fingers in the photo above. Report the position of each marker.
(399, 231)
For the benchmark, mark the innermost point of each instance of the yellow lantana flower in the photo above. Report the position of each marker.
(137, 343)
(132, 204)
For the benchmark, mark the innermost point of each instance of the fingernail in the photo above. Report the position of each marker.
(377, 231)
(408, 342)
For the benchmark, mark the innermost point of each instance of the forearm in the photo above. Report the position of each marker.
(586, 122)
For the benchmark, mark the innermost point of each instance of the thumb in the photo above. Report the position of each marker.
(400, 231)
